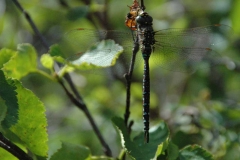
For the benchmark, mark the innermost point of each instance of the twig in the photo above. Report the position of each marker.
(78, 101)
(13, 149)
(32, 24)
(128, 77)
(142, 5)
(81, 105)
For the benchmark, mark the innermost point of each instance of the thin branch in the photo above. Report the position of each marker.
(77, 100)
(13, 149)
(133, 9)
(142, 5)
(84, 108)
(32, 24)
(128, 77)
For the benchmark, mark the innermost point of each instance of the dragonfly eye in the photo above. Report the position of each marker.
(140, 19)
(144, 19)
(149, 19)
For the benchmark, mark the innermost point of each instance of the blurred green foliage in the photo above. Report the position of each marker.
(201, 108)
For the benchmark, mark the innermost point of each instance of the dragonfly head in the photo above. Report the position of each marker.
(144, 19)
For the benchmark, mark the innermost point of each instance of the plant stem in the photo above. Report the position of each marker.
(32, 24)
(128, 77)
(142, 5)
(84, 108)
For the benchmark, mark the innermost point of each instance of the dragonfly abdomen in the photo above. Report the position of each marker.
(146, 40)
(146, 99)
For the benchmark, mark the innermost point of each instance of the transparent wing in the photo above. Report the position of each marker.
(174, 48)
(203, 37)
(90, 46)
(177, 49)
(182, 59)
(82, 39)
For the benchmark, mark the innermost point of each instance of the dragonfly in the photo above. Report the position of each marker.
(171, 49)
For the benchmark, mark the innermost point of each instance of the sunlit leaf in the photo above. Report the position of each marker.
(5, 155)
(47, 61)
(5, 56)
(101, 55)
(235, 16)
(31, 124)
(22, 63)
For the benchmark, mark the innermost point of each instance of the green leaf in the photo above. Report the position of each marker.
(3, 112)
(235, 16)
(22, 63)
(172, 151)
(161, 149)
(194, 152)
(5, 56)
(8, 98)
(104, 54)
(101, 55)
(47, 61)
(23, 114)
(31, 124)
(101, 158)
(5, 155)
(55, 51)
(136, 148)
(71, 152)
(56, 54)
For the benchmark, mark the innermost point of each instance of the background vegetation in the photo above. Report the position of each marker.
(201, 108)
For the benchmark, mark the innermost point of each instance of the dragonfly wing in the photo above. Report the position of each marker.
(199, 37)
(182, 59)
(82, 39)
(79, 41)
(90, 49)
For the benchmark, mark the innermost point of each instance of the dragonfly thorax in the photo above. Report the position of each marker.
(145, 34)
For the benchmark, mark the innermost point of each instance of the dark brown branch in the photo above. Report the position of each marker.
(128, 77)
(32, 24)
(81, 105)
(142, 5)
(13, 149)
